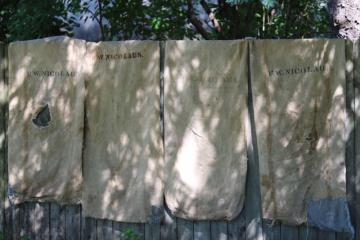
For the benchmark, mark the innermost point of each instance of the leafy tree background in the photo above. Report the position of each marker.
(168, 19)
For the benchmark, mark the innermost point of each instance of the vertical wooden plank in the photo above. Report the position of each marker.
(117, 230)
(7, 216)
(16, 222)
(104, 229)
(325, 235)
(42, 218)
(169, 226)
(185, 229)
(271, 230)
(88, 231)
(30, 213)
(72, 222)
(57, 221)
(252, 202)
(152, 231)
(219, 230)
(23, 225)
(351, 118)
(201, 230)
(343, 236)
(355, 54)
(289, 232)
(308, 233)
(2, 143)
(237, 227)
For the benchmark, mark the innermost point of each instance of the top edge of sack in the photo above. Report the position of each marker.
(297, 39)
(125, 41)
(226, 40)
(49, 39)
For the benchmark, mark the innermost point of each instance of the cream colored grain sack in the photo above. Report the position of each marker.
(205, 106)
(123, 153)
(46, 115)
(299, 104)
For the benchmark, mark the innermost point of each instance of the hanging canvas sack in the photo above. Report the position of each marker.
(205, 108)
(123, 150)
(299, 104)
(46, 116)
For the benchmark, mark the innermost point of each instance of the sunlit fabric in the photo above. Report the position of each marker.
(46, 116)
(298, 89)
(205, 92)
(123, 149)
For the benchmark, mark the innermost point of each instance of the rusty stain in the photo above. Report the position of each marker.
(266, 181)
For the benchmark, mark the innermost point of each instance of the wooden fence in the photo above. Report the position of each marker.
(52, 221)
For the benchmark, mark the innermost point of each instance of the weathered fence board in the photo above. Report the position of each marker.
(271, 230)
(152, 231)
(356, 159)
(202, 230)
(308, 233)
(219, 230)
(52, 221)
(237, 228)
(89, 229)
(289, 232)
(185, 229)
(168, 227)
(2, 143)
(57, 221)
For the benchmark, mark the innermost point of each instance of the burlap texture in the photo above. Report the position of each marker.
(299, 104)
(205, 151)
(123, 151)
(46, 113)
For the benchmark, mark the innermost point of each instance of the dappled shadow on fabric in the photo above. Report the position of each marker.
(205, 90)
(123, 147)
(298, 88)
(45, 129)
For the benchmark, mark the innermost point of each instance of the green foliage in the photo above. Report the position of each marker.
(22, 19)
(138, 19)
(129, 234)
(166, 19)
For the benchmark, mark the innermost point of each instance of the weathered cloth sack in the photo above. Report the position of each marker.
(299, 104)
(205, 147)
(123, 152)
(46, 116)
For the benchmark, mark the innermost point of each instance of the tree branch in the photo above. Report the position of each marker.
(101, 21)
(212, 18)
(195, 21)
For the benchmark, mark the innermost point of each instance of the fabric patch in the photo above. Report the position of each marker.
(42, 117)
(330, 215)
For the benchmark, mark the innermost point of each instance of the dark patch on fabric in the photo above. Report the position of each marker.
(42, 117)
(330, 215)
